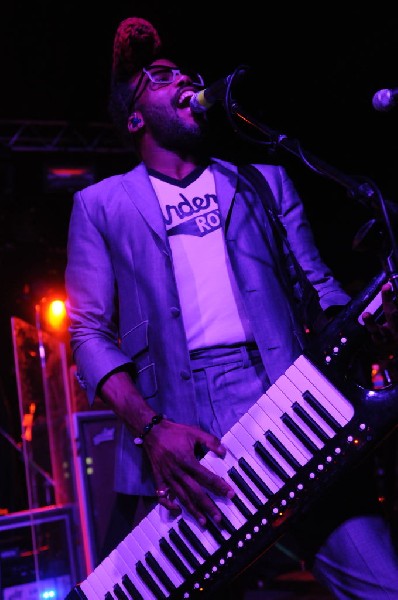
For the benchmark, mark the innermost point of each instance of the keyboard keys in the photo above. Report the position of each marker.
(307, 377)
(286, 405)
(269, 445)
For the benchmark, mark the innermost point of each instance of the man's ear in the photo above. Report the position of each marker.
(135, 122)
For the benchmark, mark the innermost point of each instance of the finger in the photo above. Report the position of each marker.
(387, 290)
(390, 306)
(171, 505)
(387, 296)
(166, 497)
(370, 322)
(213, 482)
(379, 333)
(191, 497)
(212, 443)
(198, 502)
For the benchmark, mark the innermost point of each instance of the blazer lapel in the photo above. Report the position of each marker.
(226, 177)
(141, 193)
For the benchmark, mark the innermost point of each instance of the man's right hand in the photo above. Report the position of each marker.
(172, 450)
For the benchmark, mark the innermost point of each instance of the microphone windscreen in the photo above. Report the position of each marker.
(382, 100)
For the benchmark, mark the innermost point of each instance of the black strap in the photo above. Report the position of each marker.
(306, 296)
(267, 197)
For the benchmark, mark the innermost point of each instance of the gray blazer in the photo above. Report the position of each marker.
(123, 301)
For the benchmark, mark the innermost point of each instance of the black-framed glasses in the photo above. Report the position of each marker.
(164, 75)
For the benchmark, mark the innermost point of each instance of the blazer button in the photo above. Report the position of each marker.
(175, 312)
(185, 375)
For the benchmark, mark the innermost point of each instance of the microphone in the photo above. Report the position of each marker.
(385, 100)
(204, 99)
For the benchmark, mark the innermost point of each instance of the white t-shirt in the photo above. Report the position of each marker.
(211, 305)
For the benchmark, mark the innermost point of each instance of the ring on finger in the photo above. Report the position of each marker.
(163, 492)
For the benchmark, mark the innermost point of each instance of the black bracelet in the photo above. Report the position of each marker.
(138, 441)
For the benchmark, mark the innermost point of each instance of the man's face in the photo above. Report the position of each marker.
(163, 98)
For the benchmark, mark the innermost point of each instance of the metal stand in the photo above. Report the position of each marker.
(363, 189)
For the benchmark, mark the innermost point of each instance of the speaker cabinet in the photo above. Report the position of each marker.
(94, 451)
(38, 553)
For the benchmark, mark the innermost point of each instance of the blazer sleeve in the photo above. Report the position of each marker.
(91, 298)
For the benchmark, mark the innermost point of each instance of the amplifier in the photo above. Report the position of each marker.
(55, 587)
(38, 553)
(93, 445)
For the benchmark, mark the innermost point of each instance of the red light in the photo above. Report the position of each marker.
(52, 316)
(56, 313)
(68, 171)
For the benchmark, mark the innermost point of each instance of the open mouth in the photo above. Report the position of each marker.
(184, 98)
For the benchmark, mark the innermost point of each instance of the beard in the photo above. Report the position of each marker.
(174, 133)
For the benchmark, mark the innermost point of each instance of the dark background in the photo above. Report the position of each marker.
(314, 73)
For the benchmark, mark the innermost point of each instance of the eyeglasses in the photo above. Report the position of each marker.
(164, 75)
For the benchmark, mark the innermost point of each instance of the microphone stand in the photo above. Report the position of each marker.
(361, 189)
